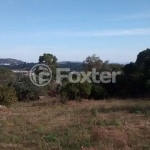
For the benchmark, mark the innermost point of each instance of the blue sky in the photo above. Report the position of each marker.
(115, 30)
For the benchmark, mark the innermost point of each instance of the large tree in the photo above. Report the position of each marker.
(93, 62)
(49, 59)
(143, 58)
(130, 68)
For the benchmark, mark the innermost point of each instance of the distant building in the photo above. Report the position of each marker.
(4, 64)
(21, 71)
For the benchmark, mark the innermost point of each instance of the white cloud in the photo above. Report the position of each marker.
(119, 32)
(124, 32)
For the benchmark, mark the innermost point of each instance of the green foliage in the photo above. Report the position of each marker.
(94, 112)
(7, 95)
(63, 97)
(76, 91)
(116, 67)
(142, 58)
(76, 66)
(98, 92)
(26, 90)
(92, 62)
(51, 138)
(6, 76)
(146, 147)
(147, 113)
(130, 68)
(134, 82)
(51, 61)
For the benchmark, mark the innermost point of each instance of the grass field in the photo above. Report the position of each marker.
(89, 125)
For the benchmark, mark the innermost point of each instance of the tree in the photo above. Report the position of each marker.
(143, 58)
(106, 66)
(116, 67)
(92, 62)
(143, 63)
(130, 68)
(51, 61)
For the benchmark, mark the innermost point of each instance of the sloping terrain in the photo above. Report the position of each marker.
(89, 125)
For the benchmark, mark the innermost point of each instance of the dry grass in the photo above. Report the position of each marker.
(89, 125)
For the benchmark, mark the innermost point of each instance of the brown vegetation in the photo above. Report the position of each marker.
(45, 125)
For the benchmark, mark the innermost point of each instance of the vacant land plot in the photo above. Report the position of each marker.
(93, 125)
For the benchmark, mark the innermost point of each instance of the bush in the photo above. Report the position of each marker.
(6, 76)
(26, 90)
(76, 91)
(98, 92)
(53, 89)
(7, 95)
(63, 97)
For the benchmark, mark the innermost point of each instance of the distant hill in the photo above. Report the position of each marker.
(65, 62)
(20, 65)
(14, 64)
(10, 62)
(73, 65)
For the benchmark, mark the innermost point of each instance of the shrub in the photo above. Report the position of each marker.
(63, 98)
(53, 89)
(76, 91)
(98, 92)
(7, 95)
(94, 112)
(26, 90)
(6, 76)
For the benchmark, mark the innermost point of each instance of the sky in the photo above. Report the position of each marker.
(114, 30)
